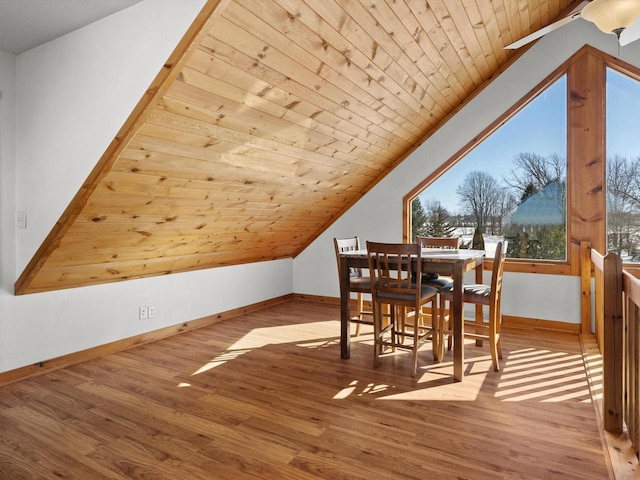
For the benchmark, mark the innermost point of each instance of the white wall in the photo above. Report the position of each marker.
(61, 104)
(522, 292)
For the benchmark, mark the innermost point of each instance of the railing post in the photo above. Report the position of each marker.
(612, 356)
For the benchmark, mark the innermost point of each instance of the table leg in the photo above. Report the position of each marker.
(458, 324)
(479, 308)
(345, 293)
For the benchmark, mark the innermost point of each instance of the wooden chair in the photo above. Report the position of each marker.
(439, 242)
(452, 243)
(357, 282)
(439, 282)
(484, 295)
(390, 267)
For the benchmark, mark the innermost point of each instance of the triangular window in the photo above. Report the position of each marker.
(511, 185)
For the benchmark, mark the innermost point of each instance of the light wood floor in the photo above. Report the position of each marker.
(266, 396)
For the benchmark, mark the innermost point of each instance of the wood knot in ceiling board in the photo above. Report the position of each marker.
(417, 33)
(262, 55)
(264, 91)
(135, 170)
(347, 56)
(101, 218)
(143, 233)
(113, 271)
(293, 17)
(180, 77)
(325, 44)
(201, 226)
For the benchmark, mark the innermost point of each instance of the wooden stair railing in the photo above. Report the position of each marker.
(610, 334)
(617, 331)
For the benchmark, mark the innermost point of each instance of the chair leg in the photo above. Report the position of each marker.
(416, 336)
(440, 332)
(394, 322)
(498, 326)
(360, 308)
(402, 322)
(435, 331)
(377, 324)
(493, 340)
(444, 320)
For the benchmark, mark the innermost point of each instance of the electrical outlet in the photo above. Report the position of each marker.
(152, 311)
(143, 313)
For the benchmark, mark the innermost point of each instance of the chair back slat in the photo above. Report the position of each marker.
(343, 245)
(390, 265)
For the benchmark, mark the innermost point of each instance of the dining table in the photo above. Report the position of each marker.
(449, 262)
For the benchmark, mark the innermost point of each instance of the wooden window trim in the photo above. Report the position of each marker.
(586, 189)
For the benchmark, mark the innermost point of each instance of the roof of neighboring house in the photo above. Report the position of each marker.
(545, 207)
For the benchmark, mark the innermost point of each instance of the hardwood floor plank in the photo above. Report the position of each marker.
(267, 396)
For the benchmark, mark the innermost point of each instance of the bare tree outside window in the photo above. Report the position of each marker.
(623, 207)
(479, 195)
(623, 167)
(535, 171)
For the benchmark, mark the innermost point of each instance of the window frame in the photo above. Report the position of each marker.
(585, 155)
(622, 68)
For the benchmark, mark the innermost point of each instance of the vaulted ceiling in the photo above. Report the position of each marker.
(271, 119)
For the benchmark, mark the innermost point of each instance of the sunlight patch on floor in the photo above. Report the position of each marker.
(304, 332)
(525, 375)
(220, 360)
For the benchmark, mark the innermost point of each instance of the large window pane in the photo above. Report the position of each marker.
(511, 185)
(623, 166)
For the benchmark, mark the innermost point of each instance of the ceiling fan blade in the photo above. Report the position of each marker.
(630, 34)
(575, 13)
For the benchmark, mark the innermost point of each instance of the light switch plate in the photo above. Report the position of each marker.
(21, 219)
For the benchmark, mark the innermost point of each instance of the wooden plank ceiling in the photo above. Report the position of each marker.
(270, 119)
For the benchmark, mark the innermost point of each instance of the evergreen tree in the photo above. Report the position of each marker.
(528, 191)
(418, 219)
(439, 223)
